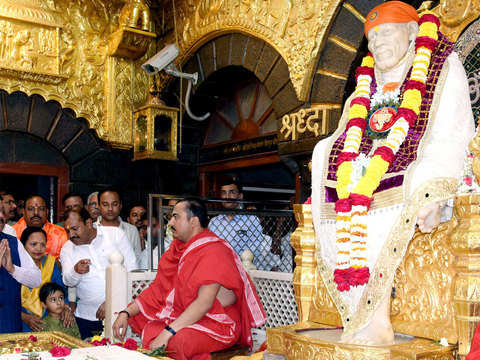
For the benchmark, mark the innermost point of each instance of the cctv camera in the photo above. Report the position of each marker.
(161, 60)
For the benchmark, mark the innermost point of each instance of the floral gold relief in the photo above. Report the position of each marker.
(294, 28)
(58, 49)
(423, 287)
(456, 15)
(466, 247)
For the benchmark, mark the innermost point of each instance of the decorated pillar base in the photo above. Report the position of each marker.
(304, 275)
(465, 244)
(310, 340)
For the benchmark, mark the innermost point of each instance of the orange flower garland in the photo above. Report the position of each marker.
(353, 204)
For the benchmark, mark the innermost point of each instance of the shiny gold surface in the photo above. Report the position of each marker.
(304, 275)
(276, 338)
(30, 43)
(58, 49)
(300, 347)
(323, 309)
(474, 147)
(332, 74)
(133, 37)
(296, 29)
(147, 149)
(129, 43)
(314, 119)
(456, 15)
(423, 303)
(45, 341)
(465, 245)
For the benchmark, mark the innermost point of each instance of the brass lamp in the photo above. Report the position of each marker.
(155, 129)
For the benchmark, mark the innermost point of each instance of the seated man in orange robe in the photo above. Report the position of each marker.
(202, 300)
(36, 215)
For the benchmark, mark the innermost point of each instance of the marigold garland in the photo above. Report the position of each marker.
(352, 207)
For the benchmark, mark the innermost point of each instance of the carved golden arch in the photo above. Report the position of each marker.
(293, 30)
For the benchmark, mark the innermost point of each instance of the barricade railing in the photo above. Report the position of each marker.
(263, 227)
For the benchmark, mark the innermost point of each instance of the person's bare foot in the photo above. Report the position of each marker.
(378, 332)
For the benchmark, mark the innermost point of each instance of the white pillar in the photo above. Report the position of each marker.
(116, 291)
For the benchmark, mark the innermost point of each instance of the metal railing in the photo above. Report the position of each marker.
(263, 227)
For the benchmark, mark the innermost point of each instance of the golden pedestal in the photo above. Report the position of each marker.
(294, 343)
(465, 244)
(458, 241)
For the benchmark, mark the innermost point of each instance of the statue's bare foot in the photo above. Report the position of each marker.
(373, 334)
(378, 332)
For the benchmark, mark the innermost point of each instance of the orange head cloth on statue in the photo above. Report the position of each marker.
(390, 12)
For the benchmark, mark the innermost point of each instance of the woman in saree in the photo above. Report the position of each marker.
(35, 242)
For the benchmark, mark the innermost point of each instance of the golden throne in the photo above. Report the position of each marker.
(436, 295)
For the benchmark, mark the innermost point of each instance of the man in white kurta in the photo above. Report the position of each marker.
(84, 259)
(419, 195)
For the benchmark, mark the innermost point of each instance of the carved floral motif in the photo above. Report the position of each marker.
(295, 28)
(58, 50)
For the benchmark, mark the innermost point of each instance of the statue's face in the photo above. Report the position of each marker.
(389, 44)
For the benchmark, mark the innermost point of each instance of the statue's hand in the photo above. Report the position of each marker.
(428, 217)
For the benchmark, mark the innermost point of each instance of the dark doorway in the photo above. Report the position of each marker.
(23, 186)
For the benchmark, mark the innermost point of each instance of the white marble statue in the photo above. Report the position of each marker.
(364, 220)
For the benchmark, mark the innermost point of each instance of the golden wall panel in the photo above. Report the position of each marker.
(423, 303)
(456, 15)
(118, 91)
(57, 49)
(295, 28)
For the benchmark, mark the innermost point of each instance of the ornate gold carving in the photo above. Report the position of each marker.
(304, 275)
(323, 309)
(135, 14)
(294, 28)
(474, 147)
(455, 15)
(423, 303)
(133, 37)
(35, 11)
(12, 342)
(118, 96)
(57, 49)
(465, 245)
(129, 43)
(298, 122)
(300, 346)
(275, 336)
(30, 43)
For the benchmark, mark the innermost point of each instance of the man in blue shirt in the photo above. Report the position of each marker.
(242, 231)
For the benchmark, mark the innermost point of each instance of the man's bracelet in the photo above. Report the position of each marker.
(125, 312)
(170, 330)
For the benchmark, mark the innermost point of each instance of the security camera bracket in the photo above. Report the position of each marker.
(171, 69)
